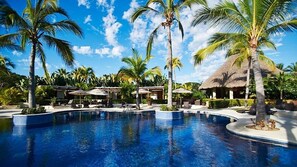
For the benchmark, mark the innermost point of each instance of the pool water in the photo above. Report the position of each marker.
(116, 139)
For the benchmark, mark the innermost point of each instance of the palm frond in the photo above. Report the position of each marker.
(140, 11)
(63, 48)
(203, 53)
(151, 41)
(180, 27)
(42, 57)
(68, 25)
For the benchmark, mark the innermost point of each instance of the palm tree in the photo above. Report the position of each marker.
(251, 20)
(83, 77)
(170, 11)
(137, 71)
(176, 63)
(5, 64)
(35, 27)
(292, 68)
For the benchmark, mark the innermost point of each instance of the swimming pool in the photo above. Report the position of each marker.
(116, 139)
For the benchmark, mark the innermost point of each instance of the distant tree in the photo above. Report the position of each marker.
(176, 63)
(136, 71)
(292, 68)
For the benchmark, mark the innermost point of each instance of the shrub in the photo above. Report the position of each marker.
(33, 110)
(166, 108)
(10, 96)
(159, 101)
(224, 103)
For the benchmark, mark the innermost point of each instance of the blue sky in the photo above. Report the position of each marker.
(109, 35)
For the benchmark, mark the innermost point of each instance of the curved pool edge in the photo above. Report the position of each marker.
(282, 136)
(277, 137)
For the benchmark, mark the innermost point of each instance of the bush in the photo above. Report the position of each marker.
(224, 103)
(165, 108)
(10, 96)
(33, 110)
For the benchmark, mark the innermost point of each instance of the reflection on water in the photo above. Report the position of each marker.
(118, 139)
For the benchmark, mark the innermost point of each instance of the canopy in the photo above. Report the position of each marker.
(97, 92)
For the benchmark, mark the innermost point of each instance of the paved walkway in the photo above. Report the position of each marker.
(286, 121)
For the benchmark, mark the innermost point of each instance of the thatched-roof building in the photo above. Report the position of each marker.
(230, 80)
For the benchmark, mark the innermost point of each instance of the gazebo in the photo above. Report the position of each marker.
(230, 80)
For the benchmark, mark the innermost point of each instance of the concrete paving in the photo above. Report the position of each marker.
(286, 121)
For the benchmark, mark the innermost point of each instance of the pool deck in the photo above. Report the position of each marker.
(286, 121)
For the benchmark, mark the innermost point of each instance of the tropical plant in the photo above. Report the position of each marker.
(10, 96)
(251, 20)
(60, 77)
(170, 12)
(176, 63)
(137, 71)
(34, 26)
(5, 65)
(292, 68)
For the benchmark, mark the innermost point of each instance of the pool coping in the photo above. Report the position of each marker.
(286, 135)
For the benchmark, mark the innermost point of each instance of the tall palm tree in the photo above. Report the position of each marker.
(137, 71)
(170, 12)
(292, 68)
(35, 27)
(176, 63)
(253, 21)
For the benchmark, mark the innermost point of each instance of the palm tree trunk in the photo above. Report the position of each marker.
(261, 113)
(281, 94)
(31, 95)
(174, 79)
(247, 83)
(169, 103)
(137, 96)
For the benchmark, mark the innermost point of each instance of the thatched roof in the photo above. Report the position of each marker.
(230, 75)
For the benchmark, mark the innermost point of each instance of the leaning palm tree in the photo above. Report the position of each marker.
(253, 21)
(176, 63)
(35, 27)
(170, 11)
(137, 71)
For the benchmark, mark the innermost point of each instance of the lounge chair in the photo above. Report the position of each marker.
(187, 105)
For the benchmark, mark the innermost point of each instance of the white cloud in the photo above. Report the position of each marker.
(83, 50)
(87, 19)
(111, 29)
(85, 3)
(127, 14)
(38, 64)
(16, 53)
(102, 51)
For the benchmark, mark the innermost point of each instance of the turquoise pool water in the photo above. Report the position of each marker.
(115, 139)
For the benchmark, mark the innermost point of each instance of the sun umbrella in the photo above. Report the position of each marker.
(181, 90)
(79, 93)
(97, 92)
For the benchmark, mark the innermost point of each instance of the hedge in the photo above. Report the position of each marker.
(224, 103)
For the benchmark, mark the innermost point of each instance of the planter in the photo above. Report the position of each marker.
(32, 119)
(169, 115)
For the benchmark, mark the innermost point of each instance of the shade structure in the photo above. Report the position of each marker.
(181, 90)
(142, 91)
(79, 93)
(97, 92)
